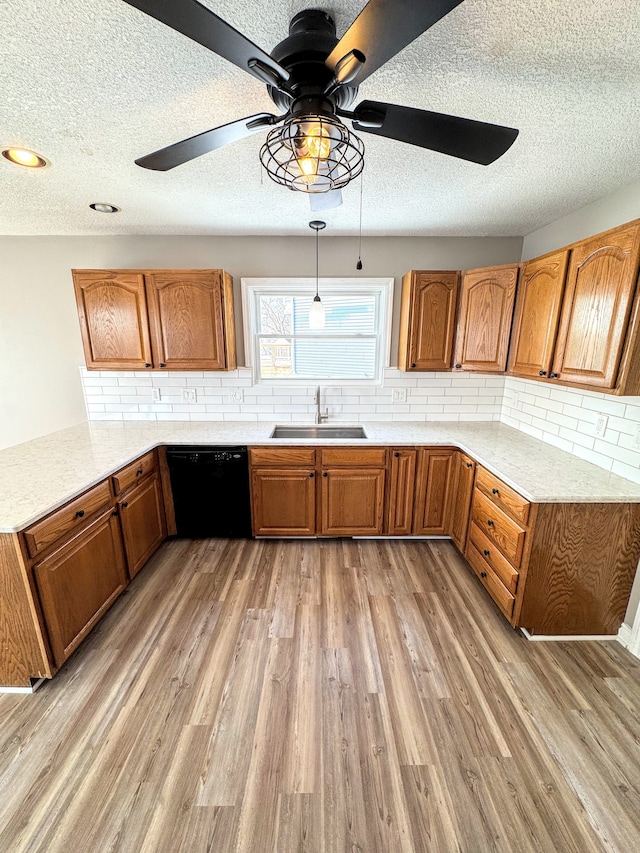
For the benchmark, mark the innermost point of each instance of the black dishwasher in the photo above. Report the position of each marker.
(210, 488)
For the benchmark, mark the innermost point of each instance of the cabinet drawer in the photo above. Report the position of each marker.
(283, 456)
(502, 495)
(354, 456)
(134, 472)
(67, 519)
(504, 532)
(503, 568)
(496, 589)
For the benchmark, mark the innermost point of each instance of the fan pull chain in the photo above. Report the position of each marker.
(359, 264)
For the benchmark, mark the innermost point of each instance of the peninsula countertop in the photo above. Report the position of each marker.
(40, 475)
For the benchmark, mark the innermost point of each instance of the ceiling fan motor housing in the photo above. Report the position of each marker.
(312, 37)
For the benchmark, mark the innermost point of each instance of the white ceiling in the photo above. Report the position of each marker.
(93, 84)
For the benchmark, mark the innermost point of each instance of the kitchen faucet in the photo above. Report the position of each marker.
(320, 418)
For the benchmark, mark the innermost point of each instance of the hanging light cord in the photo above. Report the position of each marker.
(317, 260)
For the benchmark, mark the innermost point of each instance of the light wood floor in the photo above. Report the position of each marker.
(306, 697)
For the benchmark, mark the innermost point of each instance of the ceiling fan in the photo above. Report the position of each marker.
(313, 78)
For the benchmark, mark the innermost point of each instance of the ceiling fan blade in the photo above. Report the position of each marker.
(181, 152)
(384, 28)
(194, 20)
(325, 201)
(471, 140)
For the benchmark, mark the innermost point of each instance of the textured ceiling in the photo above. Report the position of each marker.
(93, 84)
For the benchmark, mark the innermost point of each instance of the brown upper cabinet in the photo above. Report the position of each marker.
(601, 284)
(538, 314)
(427, 320)
(486, 312)
(166, 319)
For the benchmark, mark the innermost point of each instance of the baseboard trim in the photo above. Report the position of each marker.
(32, 689)
(567, 638)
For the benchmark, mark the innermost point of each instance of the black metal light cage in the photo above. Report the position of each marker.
(335, 155)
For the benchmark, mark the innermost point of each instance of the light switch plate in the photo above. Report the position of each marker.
(189, 395)
(236, 395)
(399, 395)
(601, 424)
(155, 395)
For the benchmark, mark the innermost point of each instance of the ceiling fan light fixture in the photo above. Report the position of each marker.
(24, 157)
(313, 154)
(103, 207)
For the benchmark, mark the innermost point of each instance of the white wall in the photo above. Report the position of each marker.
(40, 346)
(614, 209)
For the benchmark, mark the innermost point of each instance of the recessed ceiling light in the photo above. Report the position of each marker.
(103, 207)
(24, 157)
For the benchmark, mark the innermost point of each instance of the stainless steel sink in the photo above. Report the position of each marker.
(320, 431)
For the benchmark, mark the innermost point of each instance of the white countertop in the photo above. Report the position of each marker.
(40, 475)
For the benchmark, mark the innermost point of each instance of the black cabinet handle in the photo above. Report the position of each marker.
(115, 512)
(162, 364)
(483, 574)
(139, 471)
(396, 454)
(324, 474)
(542, 373)
(490, 523)
(486, 553)
(495, 491)
(458, 366)
(553, 376)
(147, 364)
(80, 513)
(312, 474)
(469, 464)
(125, 503)
(413, 364)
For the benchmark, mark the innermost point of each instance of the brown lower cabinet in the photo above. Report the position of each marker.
(463, 473)
(143, 522)
(433, 482)
(284, 501)
(78, 583)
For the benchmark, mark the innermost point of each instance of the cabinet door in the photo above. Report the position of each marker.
(538, 314)
(432, 492)
(352, 501)
(427, 320)
(462, 477)
(601, 284)
(401, 492)
(187, 324)
(486, 312)
(283, 501)
(143, 523)
(113, 319)
(78, 583)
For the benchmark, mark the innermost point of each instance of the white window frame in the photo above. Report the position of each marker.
(253, 288)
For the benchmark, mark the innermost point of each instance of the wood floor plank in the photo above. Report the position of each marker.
(335, 696)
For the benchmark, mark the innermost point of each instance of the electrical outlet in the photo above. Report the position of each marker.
(601, 425)
(155, 395)
(399, 395)
(236, 395)
(189, 395)
(636, 437)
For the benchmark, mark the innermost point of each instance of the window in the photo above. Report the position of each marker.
(352, 347)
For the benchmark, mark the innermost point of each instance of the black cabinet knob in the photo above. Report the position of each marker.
(483, 574)
(139, 471)
(413, 364)
(115, 512)
(469, 464)
(162, 364)
(125, 503)
(553, 376)
(490, 523)
(80, 513)
(147, 364)
(494, 491)
(486, 553)
(324, 474)
(396, 454)
(458, 366)
(312, 474)
(542, 373)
